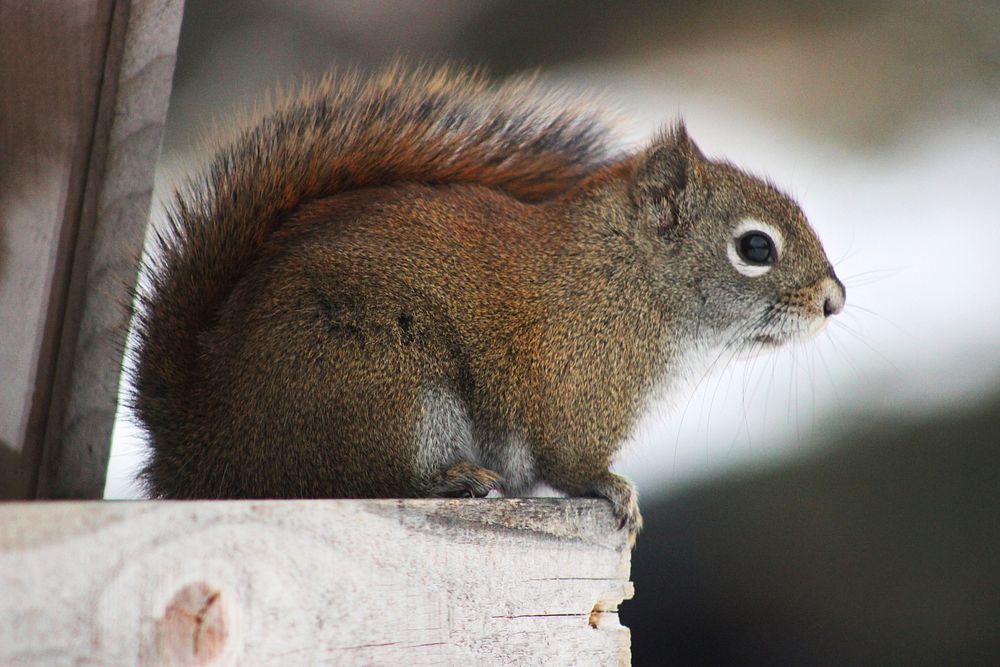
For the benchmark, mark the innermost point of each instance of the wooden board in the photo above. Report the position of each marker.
(323, 582)
(83, 97)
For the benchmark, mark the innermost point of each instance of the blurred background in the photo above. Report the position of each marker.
(834, 503)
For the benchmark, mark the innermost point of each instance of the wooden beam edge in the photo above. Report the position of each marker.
(135, 90)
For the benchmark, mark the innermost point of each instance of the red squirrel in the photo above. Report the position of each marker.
(426, 284)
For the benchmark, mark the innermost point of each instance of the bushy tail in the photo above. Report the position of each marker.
(348, 132)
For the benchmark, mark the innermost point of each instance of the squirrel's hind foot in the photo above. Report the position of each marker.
(465, 480)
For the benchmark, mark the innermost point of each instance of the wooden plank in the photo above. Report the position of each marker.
(343, 582)
(83, 94)
(135, 93)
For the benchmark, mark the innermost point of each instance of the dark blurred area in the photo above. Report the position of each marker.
(881, 549)
(879, 542)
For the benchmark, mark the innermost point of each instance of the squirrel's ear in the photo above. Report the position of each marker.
(665, 170)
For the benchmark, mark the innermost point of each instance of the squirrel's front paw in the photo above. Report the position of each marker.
(465, 480)
(624, 502)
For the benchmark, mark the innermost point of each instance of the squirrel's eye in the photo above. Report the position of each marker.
(756, 248)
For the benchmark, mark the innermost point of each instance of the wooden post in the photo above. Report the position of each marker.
(83, 97)
(317, 582)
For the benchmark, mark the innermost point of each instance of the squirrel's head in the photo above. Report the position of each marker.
(739, 252)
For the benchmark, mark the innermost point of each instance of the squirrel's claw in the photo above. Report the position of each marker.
(624, 502)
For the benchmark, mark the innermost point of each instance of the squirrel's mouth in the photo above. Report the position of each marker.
(796, 330)
(761, 343)
(770, 340)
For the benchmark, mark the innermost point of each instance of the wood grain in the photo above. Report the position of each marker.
(341, 582)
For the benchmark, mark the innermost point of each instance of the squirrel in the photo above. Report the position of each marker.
(425, 284)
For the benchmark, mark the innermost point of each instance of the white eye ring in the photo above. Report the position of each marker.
(753, 225)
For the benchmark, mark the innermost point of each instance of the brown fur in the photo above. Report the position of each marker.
(370, 243)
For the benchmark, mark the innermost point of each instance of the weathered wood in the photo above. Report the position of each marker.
(342, 582)
(83, 95)
(136, 91)
(51, 59)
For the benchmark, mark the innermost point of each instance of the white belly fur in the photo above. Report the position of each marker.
(446, 435)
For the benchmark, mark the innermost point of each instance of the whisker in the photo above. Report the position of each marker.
(812, 384)
(712, 398)
(744, 424)
(795, 376)
(839, 347)
(864, 278)
(829, 375)
(693, 393)
(767, 394)
(869, 311)
(864, 282)
(733, 340)
(889, 271)
(747, 400)
(861, 339)
(850, 252)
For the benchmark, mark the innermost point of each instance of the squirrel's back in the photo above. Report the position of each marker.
(346, 133)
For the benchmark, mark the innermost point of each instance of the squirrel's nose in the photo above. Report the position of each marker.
(834, 297)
